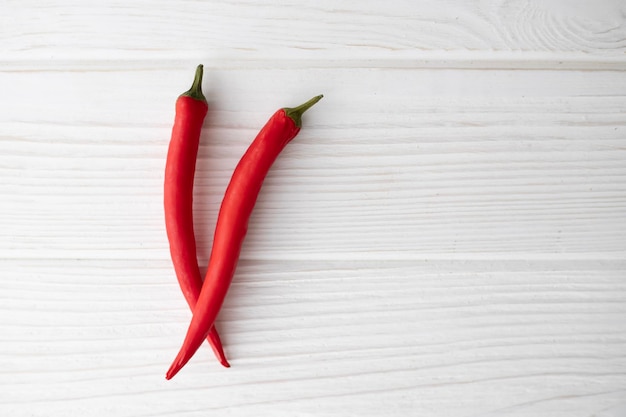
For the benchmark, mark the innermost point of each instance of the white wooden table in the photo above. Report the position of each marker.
(446, 236)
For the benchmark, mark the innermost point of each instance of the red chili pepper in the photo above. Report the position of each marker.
(232, 223)
(191, 108)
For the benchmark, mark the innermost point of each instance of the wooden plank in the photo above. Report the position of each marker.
(340, 338)
(403, 164)
(458, 33)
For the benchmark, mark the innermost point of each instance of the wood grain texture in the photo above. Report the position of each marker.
(528, 164)
(501, 338)
(446, 236)
(554, 33)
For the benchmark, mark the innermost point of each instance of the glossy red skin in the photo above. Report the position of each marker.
(178, 203)
(230, 230)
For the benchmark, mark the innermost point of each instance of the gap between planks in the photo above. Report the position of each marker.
(471, 60)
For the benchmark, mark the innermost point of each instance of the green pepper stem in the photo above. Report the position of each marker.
(195, 91)
(295, 113)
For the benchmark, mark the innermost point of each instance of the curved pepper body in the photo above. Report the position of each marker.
(232, 225)
(178, 201)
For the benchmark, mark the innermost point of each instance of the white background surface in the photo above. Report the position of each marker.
(446, 236)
